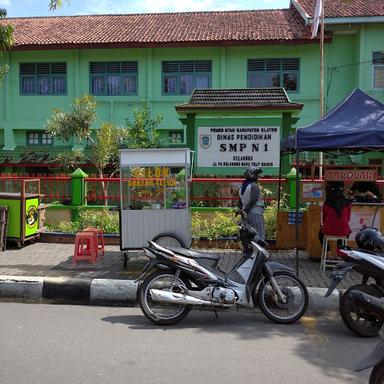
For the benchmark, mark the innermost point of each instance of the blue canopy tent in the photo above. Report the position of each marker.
(356, 124)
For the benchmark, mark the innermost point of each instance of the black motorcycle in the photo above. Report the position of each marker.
(177, 280)
(376, 360)
(362, 305)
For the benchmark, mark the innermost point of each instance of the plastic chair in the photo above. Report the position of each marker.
(85, 247)
(99, 238)
(324, 262)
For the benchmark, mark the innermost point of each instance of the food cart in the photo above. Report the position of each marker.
(154, 190)
(22, 197)
(354, 126)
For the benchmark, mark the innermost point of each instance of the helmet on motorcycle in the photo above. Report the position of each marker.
(252, 173)
(370, 238)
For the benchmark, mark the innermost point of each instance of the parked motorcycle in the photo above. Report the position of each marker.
(362, 305)
(374, 359)
(176, 280)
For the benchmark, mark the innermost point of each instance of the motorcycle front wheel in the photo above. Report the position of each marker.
(169, 240)
(357, 319)
(296, 298)
(162, 313)
(377, 374)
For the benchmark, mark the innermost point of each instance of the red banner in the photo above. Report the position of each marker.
(350, 175)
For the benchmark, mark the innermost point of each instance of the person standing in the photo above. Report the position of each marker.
(251, 200)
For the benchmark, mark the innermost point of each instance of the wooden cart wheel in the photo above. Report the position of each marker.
(169, 240)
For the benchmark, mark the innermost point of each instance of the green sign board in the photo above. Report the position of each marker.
(31, 216)
(17, 219)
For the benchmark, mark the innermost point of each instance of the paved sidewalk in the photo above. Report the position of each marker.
(55, 260)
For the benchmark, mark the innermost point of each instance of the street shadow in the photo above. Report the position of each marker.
(324, 342)
(108, 266)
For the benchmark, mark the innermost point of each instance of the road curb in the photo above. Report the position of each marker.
(319, 303)
(26, 287)
(111, 292)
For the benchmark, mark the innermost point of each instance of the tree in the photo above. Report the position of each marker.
(105, 142)
(77, 123)
(143, 130)
(6, 40)
(54, 4)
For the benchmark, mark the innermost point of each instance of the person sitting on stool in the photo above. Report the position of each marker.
(336, 212)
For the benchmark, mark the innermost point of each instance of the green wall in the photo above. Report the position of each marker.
(347, 62)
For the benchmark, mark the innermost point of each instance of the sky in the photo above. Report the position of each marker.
(27, 8)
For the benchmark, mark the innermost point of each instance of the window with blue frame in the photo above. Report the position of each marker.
(182, 77)
(113, 78)
(43, 79)
(274, 73)
(378, 69)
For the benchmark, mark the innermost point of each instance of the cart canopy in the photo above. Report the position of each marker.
(357, 123)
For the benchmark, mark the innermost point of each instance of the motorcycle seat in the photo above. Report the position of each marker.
(374, 253)
(195, 254)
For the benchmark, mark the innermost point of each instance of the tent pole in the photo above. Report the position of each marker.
(297, 210)
(279, 188)
(321, 159)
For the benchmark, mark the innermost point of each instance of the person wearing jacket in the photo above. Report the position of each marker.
(336, 212)
(251, 200)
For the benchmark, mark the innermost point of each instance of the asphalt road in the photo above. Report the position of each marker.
(79, 344)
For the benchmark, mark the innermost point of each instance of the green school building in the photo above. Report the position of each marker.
(123, 60)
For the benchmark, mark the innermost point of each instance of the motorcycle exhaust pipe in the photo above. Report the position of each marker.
(371, 303)
(179, 298)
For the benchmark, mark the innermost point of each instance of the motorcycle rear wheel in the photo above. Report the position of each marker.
(377, 374)
(356, 318)
(296, 294)
(158, 312)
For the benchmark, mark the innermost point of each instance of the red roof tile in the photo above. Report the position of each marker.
(162, 29)
(345, 8)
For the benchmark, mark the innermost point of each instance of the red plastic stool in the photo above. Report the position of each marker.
(85, 247)
(98, 233)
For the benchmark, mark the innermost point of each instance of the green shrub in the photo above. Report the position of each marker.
(200, 226)
(97, 218)
(224, 224)
(270, 215)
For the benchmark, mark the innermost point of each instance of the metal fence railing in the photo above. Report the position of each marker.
(205, 192)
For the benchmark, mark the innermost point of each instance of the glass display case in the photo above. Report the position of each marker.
(155, 196)
(150, 187)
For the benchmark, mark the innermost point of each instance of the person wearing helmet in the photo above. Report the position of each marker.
(336, 212)
(251, 200)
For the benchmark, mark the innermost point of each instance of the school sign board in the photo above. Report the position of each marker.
(240, 146)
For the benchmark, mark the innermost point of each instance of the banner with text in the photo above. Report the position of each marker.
(350, 175)
(238, 146)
